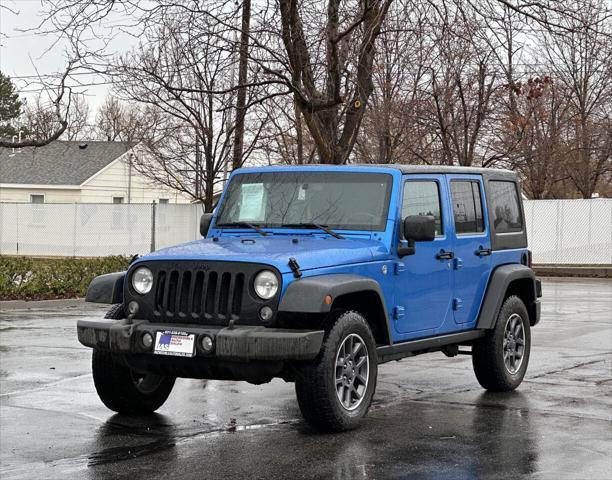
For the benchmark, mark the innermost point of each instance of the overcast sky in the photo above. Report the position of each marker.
(22, 53)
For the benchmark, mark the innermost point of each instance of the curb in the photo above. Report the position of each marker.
(589, 271)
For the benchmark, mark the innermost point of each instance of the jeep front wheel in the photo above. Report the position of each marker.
(123, 390)
(335, 391)
(500, 358)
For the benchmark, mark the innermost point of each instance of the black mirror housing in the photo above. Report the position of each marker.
(419, 228)
(205, 221)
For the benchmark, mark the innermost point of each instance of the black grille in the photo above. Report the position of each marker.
(197, 293)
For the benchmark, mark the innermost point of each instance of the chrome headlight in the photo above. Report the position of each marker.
(266, 284)
(142, 280)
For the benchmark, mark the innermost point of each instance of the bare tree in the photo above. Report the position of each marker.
(78, 119)
(118, 121)
(49, 114)
(420, 81)
(182, 72)
(579, 55)
(392, 130)
(331, 73)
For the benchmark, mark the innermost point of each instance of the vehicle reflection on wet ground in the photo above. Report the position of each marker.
(430, 418)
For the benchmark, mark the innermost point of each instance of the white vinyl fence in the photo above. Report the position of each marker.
(563, 232)
(570, 232)
(94, 229)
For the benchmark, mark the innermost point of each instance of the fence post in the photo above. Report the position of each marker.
(17, 243)
(153, 208)
(74, 230)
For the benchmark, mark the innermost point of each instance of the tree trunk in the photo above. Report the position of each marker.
(242, 80)
(299, 134)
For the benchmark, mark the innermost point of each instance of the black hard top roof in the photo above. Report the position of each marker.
(441, 169)
(408, 169)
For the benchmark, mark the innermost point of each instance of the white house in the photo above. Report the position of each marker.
(78, 172)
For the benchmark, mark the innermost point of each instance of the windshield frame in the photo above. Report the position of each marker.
(380, 227)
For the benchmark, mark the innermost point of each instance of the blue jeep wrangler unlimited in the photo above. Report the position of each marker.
(317, 275)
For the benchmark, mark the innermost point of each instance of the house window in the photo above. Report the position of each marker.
(118, 213)
(163, 200)
(37, 210)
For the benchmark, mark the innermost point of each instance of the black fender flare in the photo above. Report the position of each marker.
(307, 295)
(500, 280)
(106, 288)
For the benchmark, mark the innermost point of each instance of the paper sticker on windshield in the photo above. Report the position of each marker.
(252, 202)
(302, 192)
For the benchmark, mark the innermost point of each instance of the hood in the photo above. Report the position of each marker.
(309, 251)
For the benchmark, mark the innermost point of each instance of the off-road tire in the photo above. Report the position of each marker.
(116, 312)
(315, 384)
(488, 352)
(118, 386)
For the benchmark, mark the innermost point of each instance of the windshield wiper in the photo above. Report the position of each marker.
(313, 225)
(243, 225)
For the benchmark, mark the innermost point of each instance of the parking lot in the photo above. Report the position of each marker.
(430, 418)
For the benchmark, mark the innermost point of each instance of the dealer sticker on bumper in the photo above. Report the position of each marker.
(180, 344)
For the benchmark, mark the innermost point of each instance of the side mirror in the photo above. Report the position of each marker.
(417, 228)
(205, 223)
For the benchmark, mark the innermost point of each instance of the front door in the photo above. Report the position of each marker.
(471, 246)
(424, 280)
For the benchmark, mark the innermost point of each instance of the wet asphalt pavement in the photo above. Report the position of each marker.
(430, 418)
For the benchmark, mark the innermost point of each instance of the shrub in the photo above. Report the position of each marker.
(27, 278)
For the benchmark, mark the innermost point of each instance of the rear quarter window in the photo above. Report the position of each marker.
(505, 207)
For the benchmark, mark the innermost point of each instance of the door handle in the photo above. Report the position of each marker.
(483, 252)
(443, 255)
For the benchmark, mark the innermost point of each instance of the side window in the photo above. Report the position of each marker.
(505, 206)
(423, 198)
(467, 206)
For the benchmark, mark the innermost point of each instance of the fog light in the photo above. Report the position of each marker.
(207, 343)
(133, 307)
(147, 339)
(265, 313)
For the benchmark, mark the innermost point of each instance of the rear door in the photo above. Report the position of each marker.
(471, 245)
(423, 289)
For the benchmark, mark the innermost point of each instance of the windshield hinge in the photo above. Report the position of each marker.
(295, 267)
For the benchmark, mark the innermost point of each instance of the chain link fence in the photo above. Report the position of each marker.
(560, 232)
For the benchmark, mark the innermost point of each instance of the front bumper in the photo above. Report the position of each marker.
(241, 343)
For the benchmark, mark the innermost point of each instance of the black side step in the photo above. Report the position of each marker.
(424, 345)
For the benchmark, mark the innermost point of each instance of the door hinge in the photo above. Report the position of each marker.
(457, 303)
(458, 263)
(398, 312)
(399, 268)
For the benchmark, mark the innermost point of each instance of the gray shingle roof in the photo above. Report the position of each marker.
(59, 163)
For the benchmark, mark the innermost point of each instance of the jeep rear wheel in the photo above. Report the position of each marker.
(335, 390)
(500, 358)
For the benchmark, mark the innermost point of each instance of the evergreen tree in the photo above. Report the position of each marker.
(10, 107)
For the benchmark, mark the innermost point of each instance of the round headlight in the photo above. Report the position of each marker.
(266, 284)
(142, 280)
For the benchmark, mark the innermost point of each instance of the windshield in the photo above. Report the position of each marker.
(338, 200)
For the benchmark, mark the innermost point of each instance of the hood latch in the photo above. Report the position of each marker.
(295, 267)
